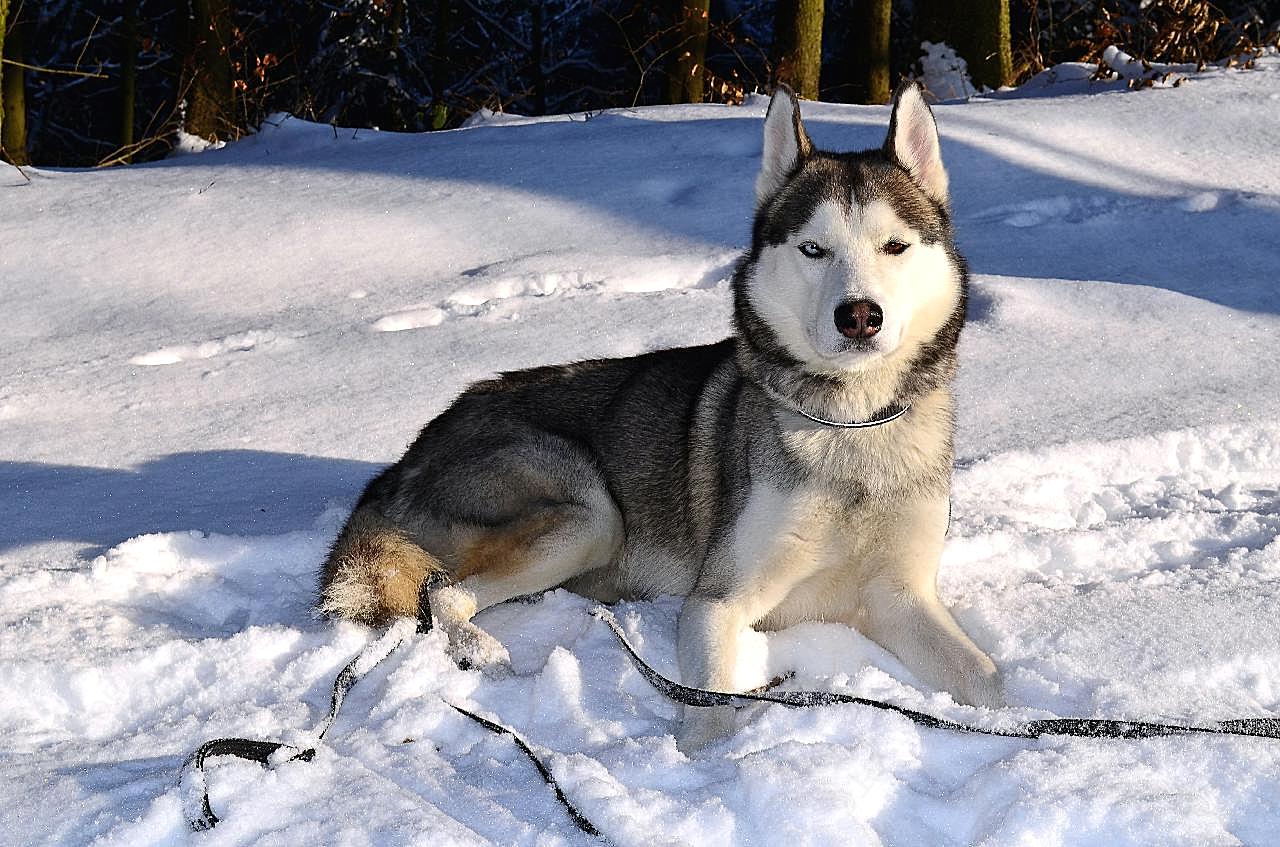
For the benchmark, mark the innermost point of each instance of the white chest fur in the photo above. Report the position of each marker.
(900, 458)
(870, 503)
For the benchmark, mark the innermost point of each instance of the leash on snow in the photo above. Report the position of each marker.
(1078, 727)
(271, 753)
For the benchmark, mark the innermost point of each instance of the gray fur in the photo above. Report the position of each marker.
(630, 478)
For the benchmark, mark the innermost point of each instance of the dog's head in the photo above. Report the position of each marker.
(852, 261)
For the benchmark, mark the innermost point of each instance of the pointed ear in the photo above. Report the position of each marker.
(786, 144)
(913, 141)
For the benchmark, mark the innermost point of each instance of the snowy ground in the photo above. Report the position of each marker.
(203, 360)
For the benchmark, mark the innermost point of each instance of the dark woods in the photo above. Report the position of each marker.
(97, 82)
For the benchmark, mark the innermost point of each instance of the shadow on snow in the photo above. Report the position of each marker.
(669, 176)
(232, 492)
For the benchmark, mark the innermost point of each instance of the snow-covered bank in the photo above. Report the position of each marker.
(205, 358)
(1135, 580)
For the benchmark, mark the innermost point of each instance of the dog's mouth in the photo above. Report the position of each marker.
(859, 345)
(846, 355)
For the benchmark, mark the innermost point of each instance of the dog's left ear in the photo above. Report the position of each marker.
(786, 144)
(913, 141)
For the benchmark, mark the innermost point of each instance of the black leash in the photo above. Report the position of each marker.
(268, 753)
(200, 815)
(577, 816)
(1078, 727)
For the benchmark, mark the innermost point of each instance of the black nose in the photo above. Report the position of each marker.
(859, 318)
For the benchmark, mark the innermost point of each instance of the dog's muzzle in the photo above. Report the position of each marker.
(859, 319)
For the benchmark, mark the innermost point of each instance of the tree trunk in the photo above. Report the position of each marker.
(979, 32)
(685, 83)
(868, 54)
(440, 65)
(4, 19)
(397, 24)
(539, 76)
(797, 33)
(128, 74)
(210, 100)
(13, 94)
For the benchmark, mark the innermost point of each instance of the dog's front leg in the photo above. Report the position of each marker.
(913, 624)
(901, 611)
(707, 645)
(772, 548)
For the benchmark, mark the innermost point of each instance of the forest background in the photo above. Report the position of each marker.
(103, 82)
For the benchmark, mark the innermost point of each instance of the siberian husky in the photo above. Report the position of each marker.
(798, 470)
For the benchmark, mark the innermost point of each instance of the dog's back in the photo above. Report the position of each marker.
(512, 458)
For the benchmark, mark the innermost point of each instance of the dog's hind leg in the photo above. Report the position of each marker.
(536, 551)
(374, 571)
(515, 513)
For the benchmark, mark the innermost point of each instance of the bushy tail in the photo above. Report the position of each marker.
(374, 571)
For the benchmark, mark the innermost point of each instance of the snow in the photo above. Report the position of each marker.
(945, 74)
(205, 358)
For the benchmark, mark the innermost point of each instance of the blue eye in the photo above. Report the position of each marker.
(812, 250)
(895, 247)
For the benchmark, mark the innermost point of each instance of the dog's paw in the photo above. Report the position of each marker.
(981, 686)
(702, 726)
(473, 648)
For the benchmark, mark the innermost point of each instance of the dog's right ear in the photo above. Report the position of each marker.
(786, 144)
(913, 141)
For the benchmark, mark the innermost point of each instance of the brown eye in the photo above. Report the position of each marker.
(812, 250)
(895, 247)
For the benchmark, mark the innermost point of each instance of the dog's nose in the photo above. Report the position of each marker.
(859, 318)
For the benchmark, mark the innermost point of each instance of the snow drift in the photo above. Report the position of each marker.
(205, 359)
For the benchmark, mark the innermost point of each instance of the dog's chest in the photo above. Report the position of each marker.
(784, 535)
(894, 460)
(805, 542)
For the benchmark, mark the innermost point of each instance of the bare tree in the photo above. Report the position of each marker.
(210, 98)
(4, 19)
(13, 126)
(979, 32)
(537, 43)
(798, 45)
(689, 58)
(440, 65)
(867, 53)
(128, 74)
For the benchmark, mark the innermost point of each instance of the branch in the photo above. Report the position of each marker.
(97, 20)
(15, 166)
(42, 70)
(124, 155)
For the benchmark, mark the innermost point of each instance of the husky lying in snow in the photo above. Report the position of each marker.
(798, 470)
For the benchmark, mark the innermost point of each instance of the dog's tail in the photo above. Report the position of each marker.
(374, 572)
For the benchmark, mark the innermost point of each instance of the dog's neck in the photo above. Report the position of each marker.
(843, 396)
(885, 415)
